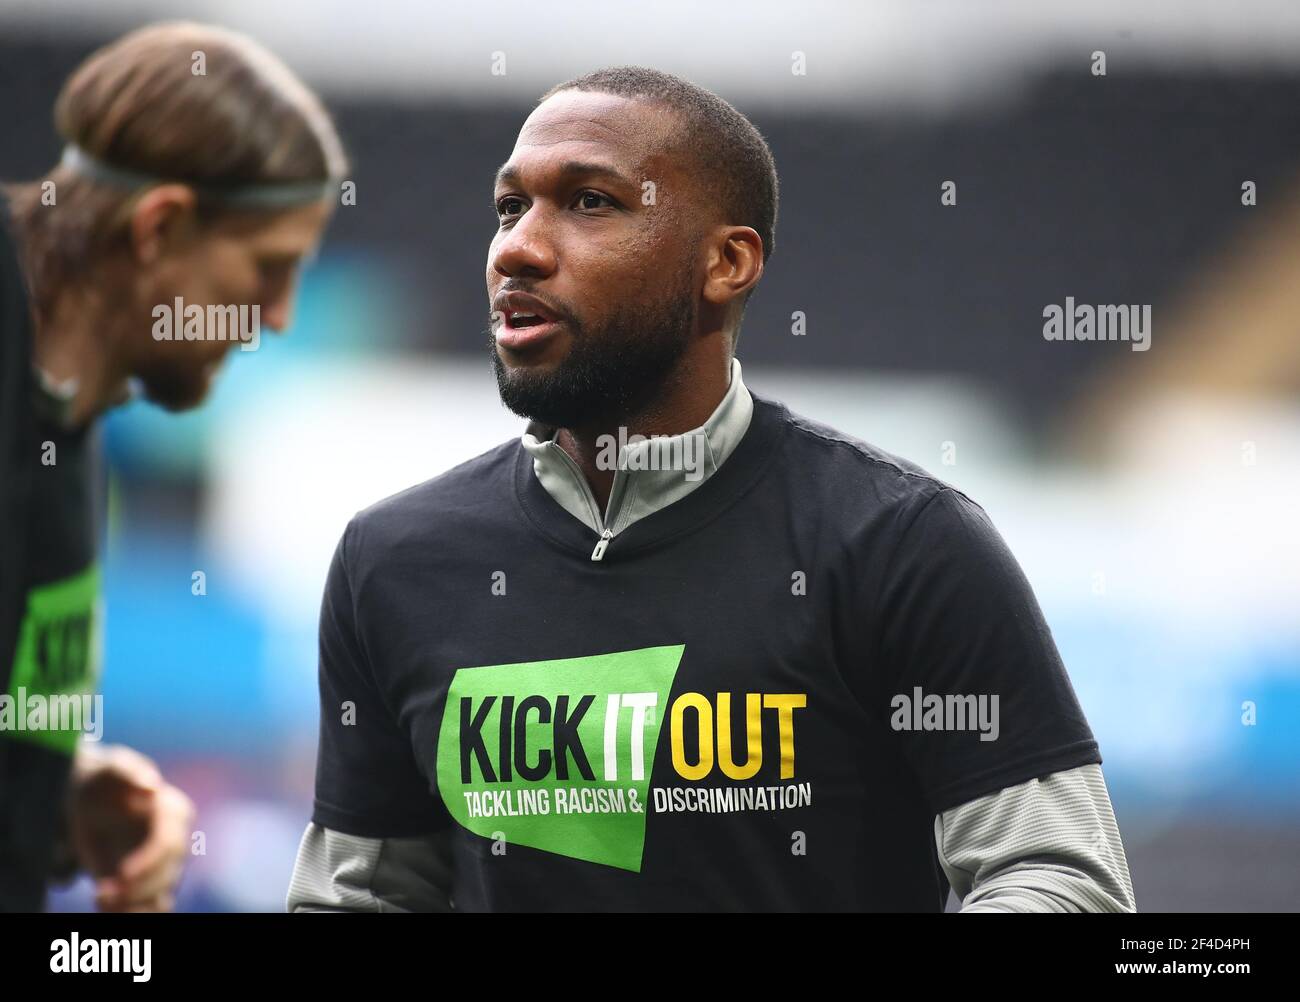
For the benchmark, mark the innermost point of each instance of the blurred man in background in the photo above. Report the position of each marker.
(198, 174)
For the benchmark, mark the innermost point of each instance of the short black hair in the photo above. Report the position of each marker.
(730, 156)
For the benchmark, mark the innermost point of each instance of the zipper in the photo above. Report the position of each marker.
(607, 531)
(601, 544)
(620, 516)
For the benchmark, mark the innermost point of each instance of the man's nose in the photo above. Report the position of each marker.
(277, 311)
(527, 248)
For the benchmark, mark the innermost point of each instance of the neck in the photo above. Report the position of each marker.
(72, 343)
(688, 398)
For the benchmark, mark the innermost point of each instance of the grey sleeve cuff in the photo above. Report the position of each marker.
(335, 872)
(1048, 845)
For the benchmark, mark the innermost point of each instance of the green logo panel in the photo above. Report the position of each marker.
(557, 755)
(57, 653)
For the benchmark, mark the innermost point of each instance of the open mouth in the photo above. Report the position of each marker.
(524, 330)
(522, 320)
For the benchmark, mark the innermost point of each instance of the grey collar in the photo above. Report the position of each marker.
(649, 474)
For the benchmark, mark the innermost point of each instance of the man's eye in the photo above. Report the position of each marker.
(509, 206)
(586, 199)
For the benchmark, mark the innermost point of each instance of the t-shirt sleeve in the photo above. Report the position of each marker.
(367, 779)
(959, 620)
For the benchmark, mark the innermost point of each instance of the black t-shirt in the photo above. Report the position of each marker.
(49, 595)
(734, 710)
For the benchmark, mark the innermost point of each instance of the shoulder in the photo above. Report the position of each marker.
(450, 506)
(835, 462)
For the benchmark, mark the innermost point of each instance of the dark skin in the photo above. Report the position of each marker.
(574, 231)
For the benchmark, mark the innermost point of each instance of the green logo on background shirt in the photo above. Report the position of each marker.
(557, 755)
(57, 658)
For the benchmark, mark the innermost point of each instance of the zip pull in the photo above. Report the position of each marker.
(605, 537)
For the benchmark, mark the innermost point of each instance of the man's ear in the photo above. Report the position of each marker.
(161, 216)
(735, 264)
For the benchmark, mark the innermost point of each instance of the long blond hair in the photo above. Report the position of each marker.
(139, 104)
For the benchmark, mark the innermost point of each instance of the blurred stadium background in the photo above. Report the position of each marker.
(1151, 496)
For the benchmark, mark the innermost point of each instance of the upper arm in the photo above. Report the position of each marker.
(368, 782)
(967, 670)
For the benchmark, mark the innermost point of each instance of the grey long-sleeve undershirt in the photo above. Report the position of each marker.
(1048, 845)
